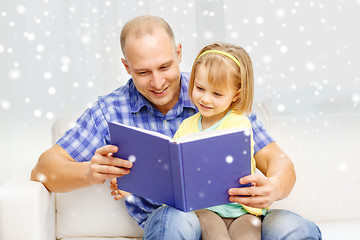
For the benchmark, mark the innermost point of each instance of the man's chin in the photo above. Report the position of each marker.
(163, 105)
(159, 101)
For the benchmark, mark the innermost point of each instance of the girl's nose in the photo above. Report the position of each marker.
(205, 98)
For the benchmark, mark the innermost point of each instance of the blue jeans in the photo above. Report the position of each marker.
(170, 223)
(282, 224)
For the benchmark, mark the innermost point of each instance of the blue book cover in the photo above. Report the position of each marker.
(191, 173)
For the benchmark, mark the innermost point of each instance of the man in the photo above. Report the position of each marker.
(156, 98)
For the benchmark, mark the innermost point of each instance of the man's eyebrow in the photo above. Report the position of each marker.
(141, 70)
(146, 69)
(167, 63)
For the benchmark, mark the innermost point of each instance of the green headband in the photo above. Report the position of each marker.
(223, 53)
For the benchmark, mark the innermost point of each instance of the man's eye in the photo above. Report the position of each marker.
(142, 73)
(165, 67)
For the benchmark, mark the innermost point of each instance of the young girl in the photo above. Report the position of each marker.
(221, 86)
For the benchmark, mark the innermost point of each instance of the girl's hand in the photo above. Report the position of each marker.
(118, 194)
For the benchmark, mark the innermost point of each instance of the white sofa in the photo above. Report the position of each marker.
(325, 150)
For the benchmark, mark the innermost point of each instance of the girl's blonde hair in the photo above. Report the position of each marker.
(223, 71)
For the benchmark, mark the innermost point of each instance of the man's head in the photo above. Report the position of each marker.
(143, 25)
(152, 59)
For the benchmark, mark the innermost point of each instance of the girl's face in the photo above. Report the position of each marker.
(212, 103)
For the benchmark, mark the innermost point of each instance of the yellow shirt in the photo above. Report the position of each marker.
(231, 120)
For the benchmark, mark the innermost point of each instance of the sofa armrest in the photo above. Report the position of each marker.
(27, 209)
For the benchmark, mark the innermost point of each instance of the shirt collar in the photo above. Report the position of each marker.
(138, 101)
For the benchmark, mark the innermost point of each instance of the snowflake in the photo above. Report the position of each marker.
(356, 98)
(229, 159)
(280, 13)
(259, 20)
(283, 49)
(37, 113)
(281, 107)
(132, 158)
(40, 48)
(21, 9)
(15, 74)
(310, 66)
(267, 59)
(5, 104)
(49, 115)
(47, 75)
(208, 35)
(52, 90)
(64, 68)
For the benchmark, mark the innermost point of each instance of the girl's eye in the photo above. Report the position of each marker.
(199, 88)
(217, 94)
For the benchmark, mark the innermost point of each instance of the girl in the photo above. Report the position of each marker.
(221, 86)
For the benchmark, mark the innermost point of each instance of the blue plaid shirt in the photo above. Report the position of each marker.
(126, 105)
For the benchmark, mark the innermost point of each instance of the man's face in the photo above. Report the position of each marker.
(153, 62)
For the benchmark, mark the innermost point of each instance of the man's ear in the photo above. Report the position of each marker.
(178, 49)
(126, 65)
(237, 95)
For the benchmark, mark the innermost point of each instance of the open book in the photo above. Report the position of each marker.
(191, 173)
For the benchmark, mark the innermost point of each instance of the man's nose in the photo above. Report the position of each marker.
(157, 80)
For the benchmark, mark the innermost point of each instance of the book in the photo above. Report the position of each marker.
(194, 172)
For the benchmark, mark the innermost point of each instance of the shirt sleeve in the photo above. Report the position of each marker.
(86, 136)
(260, 135)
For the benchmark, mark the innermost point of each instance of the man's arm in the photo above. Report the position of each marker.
(277, 166)
(59, 172)
(277, 183)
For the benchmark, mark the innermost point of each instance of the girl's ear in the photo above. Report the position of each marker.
(237, 95)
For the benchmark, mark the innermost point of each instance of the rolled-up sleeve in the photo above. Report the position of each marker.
(260, 135)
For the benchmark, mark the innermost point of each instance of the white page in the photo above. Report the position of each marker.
(208, 134)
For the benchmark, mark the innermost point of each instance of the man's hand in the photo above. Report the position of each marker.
(118, 194)
(103, 165)
(261, 194)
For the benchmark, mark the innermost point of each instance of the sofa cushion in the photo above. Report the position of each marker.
(92, 211)
(325, 150)
(347, 230)
(101, 238)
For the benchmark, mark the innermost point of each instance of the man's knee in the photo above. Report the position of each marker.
(282, 224)
(170, 223)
